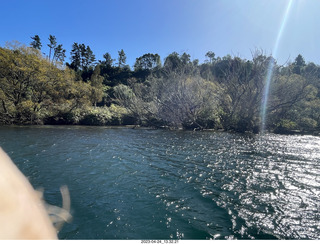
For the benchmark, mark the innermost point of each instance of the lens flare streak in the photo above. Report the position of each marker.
(269, 75)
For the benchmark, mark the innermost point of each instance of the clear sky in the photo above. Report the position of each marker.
(284, 28)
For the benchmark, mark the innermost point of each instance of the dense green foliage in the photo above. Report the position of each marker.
(221, 93)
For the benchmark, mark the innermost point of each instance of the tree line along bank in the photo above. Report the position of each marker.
(224, 93)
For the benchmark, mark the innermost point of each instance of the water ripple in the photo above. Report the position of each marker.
(153, 184)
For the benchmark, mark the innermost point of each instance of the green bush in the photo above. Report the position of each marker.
(307, 124)
(61, 118)
(96, 116)
(285, 126)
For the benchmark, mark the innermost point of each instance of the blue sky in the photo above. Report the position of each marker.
(235, 27)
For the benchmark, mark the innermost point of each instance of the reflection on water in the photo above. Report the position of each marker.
(154, 184)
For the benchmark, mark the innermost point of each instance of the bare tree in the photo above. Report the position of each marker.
(243, 84)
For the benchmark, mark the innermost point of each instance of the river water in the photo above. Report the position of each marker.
(157, 184)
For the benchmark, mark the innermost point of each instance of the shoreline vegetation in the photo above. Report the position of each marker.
(223, 93)
(139, 127)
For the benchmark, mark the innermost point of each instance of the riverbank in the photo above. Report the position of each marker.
(164, 128)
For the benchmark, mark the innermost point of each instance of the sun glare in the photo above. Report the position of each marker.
(270, 68)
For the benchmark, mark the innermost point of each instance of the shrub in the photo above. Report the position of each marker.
(308, 124)
(62, 118)
(285, 126)
(96, 116)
